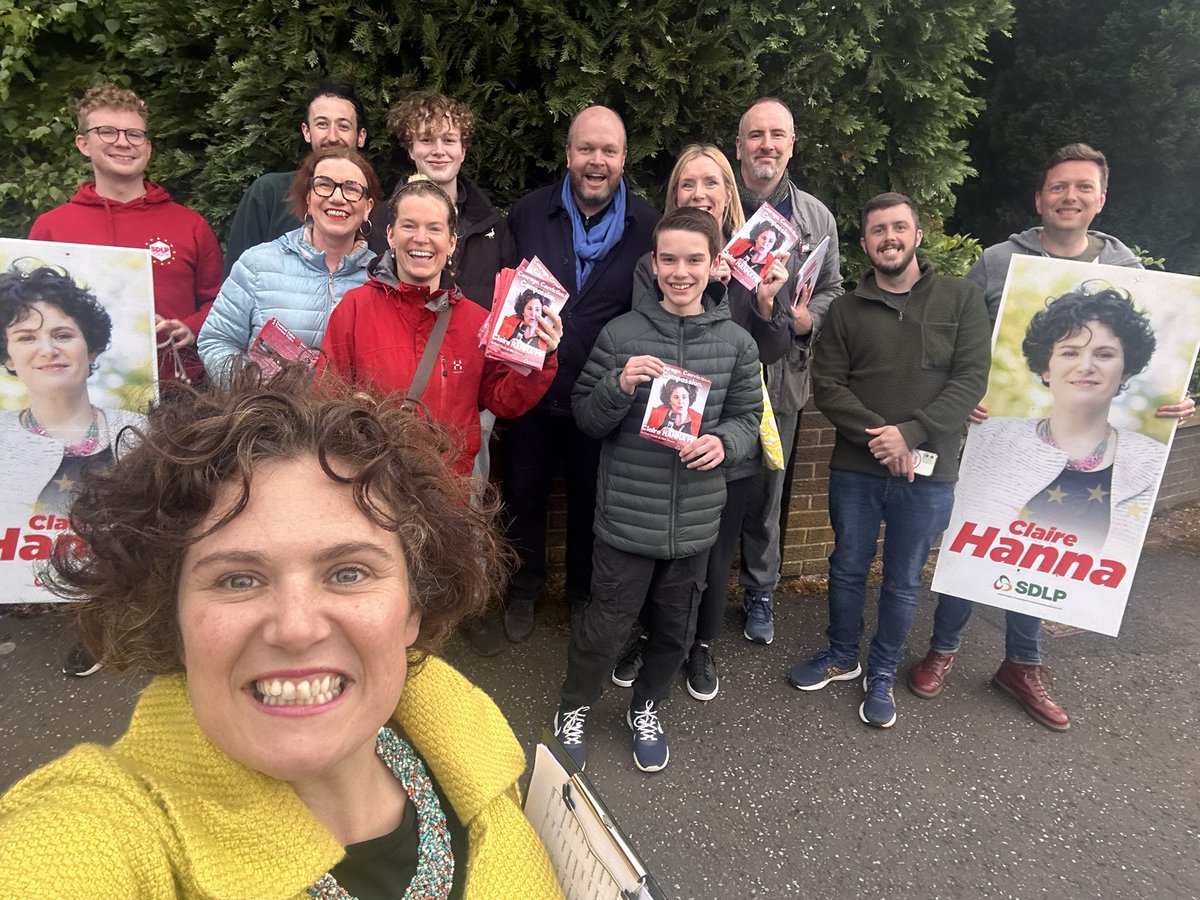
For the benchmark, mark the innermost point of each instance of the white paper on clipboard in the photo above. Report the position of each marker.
(592, 857)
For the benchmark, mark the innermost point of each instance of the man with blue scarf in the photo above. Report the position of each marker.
(590, 231)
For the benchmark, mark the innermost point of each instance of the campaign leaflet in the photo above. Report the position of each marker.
(754, 247)
(1056, 488)
(276, 345)
(39, 478)
(675, 408)
(520, 298)
(812, 265)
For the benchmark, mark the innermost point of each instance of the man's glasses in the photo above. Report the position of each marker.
(323, 186)
(108, 134)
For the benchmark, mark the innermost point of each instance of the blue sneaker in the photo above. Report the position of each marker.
(650, 753)
(570, 727)
(879, 706)
(823, 668)
(759, 608)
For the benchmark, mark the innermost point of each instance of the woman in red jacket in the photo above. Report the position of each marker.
(379, 333)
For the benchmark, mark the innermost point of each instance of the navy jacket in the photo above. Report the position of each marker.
(541, 227)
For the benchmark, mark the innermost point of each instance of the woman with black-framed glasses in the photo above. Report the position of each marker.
(299, 277)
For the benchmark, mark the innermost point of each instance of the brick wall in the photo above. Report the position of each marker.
(1181, 481)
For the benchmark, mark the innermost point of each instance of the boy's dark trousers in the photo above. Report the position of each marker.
(621, 582)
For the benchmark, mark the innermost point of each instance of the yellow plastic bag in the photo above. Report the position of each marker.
(768, 433)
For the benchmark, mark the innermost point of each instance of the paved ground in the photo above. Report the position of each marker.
(775, 793)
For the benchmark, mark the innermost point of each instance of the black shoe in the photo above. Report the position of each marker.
(80, 663)
(702, 681)
(483, 635)
(625, 672)
(518, 620)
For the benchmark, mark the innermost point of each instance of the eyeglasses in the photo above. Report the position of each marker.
(323, 186)
(109, 134)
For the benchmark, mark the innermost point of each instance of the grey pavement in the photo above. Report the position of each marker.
(771, 792)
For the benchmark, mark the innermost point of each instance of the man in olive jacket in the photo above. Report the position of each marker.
(900, 364)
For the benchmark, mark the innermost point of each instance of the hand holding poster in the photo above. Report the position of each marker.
(754, 247)
(676, 407)
(512, 330)
(811, 266)
(276, 346)
(79, 345)
(1056, 488)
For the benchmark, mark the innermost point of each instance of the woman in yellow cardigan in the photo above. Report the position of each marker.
(283, 563)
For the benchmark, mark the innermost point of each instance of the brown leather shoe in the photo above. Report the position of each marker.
(1027, 685)
(928, 677)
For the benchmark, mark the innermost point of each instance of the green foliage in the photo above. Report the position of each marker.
(880, 92)
(1118, 74)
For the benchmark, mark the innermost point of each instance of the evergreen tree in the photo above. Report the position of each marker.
(880, 92)
(1121, 75)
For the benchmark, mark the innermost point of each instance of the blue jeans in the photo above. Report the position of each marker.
(915, 514)
(1022, 634)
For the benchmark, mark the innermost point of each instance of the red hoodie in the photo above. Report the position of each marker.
(186, 256)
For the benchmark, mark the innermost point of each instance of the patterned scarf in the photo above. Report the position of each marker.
(752, 201)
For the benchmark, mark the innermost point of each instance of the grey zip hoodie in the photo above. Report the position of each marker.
(991, 269)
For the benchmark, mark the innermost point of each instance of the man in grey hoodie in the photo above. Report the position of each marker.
(1071, 194)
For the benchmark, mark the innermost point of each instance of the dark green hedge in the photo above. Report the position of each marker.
(881, 91)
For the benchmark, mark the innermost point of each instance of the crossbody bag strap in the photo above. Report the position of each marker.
(425, 366)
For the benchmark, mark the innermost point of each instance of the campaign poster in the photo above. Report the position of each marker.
(756, 244)
(676, 407)
(80, 364)
(1057, 487)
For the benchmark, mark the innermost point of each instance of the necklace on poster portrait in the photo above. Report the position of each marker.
(1086, 463)
(86, 447)
(435, 858)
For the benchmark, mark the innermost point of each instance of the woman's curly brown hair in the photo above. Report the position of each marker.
(139, 516)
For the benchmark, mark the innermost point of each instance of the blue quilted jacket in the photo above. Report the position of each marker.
(285, 279)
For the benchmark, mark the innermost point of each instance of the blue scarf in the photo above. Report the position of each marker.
(594, 245)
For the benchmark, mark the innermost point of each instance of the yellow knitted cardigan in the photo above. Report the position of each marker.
(163, 813)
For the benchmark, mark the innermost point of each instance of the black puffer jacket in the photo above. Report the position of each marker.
(647, 501)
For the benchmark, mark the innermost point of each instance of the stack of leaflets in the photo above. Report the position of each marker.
(676, 407)
(520, 298)
(276, 346)
(756, 244)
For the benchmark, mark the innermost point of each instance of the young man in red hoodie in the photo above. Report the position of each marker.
(121, 209)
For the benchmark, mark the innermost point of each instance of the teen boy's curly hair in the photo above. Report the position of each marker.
(139, 516)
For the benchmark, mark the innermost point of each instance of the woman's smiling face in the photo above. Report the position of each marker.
(421, 239)
(47, 350)
(295, 639)
(1087, 367)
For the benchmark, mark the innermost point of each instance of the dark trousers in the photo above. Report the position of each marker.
(621, 583)
(533, 446)
(711, 617)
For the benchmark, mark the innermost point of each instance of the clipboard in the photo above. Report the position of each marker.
(592, 857)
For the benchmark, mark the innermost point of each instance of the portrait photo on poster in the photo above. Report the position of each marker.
(512, 331)
(1057, 486)
(675, 409)
(756, 244)
(78, 350)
